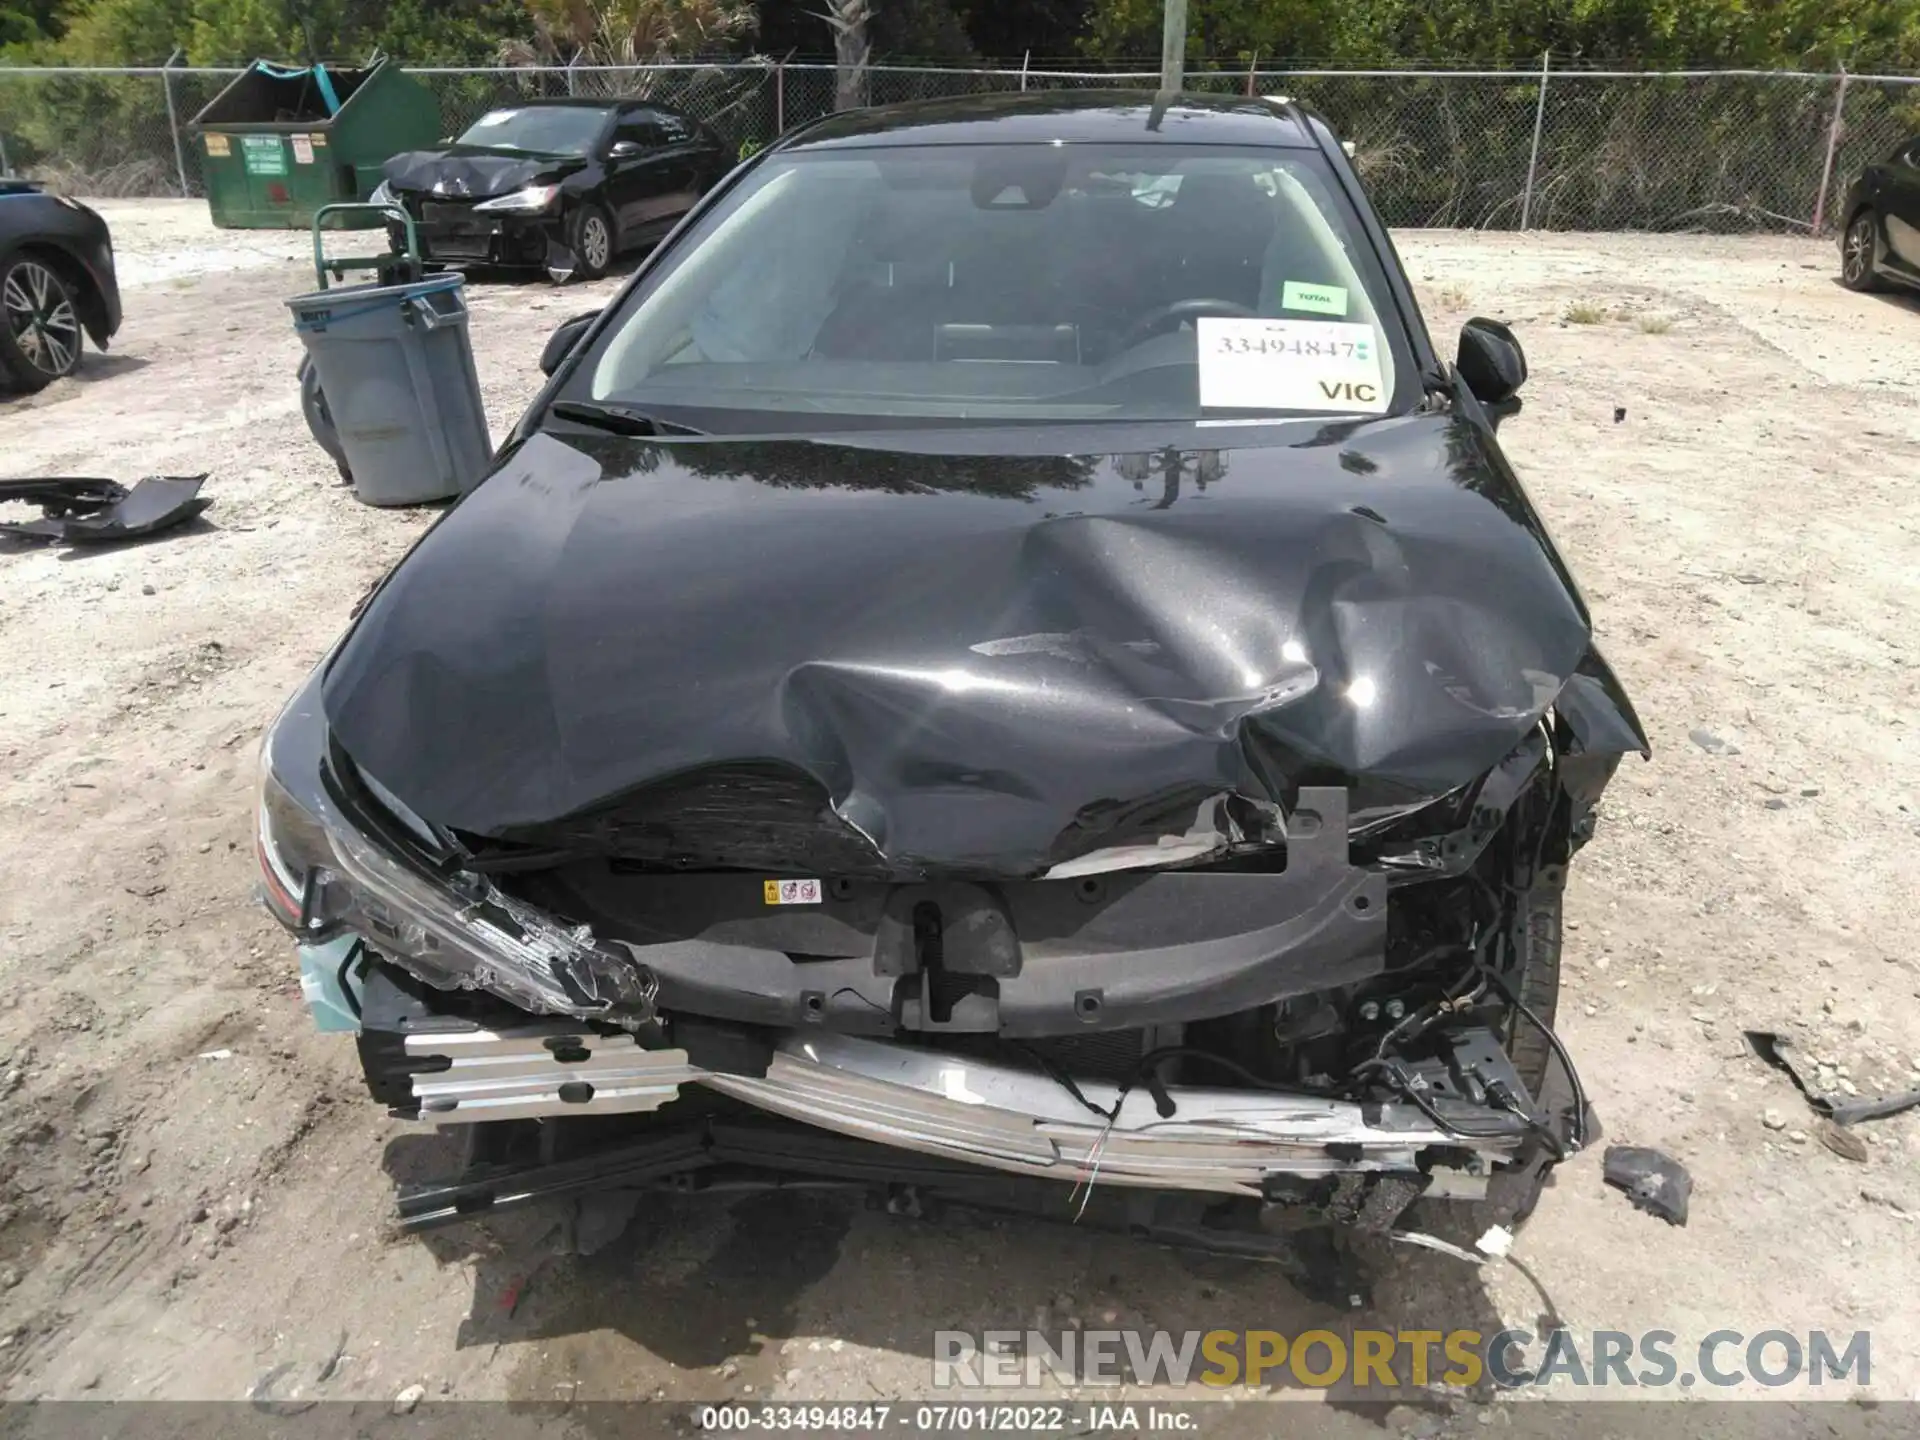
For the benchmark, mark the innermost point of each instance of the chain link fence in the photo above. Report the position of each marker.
(1553, 149)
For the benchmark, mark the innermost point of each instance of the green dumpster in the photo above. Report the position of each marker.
(279, 143)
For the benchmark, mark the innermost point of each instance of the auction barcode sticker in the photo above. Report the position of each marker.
(1328, 365)
(792, 892)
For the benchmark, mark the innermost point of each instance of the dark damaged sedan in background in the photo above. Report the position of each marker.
(563, 185)
(1003, 668)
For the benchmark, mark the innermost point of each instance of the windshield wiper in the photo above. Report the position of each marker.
(619, 419)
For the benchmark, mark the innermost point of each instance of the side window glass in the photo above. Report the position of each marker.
(674, 128)
(639, 128)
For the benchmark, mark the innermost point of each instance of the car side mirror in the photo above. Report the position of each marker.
(626, 150)
(1492, 363)
(560, 344)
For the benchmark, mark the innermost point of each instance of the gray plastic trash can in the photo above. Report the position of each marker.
(396, 367)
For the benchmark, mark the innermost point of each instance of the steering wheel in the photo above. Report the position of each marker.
(1179, 311)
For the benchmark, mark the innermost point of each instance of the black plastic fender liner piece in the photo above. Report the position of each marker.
(1655, 1183)
(156, 503)
(68, 495)
(1778, 1051)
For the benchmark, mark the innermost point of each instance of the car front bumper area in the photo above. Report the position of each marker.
(438, 1070)
(475, 1009)
(456, 235)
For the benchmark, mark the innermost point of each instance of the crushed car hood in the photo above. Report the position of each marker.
(973, 664)
(475, 172)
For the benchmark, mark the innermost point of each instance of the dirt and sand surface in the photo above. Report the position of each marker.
(195, 1192)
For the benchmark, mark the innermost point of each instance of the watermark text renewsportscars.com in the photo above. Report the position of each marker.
(1384, 1360)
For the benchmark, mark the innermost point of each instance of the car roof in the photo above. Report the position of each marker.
(569, 102)
(1038, 117)
(564, 102)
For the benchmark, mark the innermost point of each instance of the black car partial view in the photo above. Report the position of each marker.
(1004, 667)
(1880, 230)
(564, 185)
(57, 285)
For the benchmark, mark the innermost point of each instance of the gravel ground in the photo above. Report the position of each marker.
(195, 1194)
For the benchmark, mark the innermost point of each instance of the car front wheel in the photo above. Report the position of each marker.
(1856, 254)
(591, 240)
(40, 335)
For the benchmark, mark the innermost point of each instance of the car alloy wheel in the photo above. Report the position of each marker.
(1856, 257)
(41, 319)
(596, 245)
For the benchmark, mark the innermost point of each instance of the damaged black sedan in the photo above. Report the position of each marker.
(564, 185)
(1003, 667)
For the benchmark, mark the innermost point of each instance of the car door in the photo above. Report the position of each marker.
(686, 156)
(638, 181)
(1899, 200)
(712, 159)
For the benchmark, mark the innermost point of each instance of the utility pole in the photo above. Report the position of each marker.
(1173, 47)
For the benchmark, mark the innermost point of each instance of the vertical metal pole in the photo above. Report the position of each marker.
(779, 97)
(1173, 47)
(1833, 144)
(1533, 156)
(5, 168)
(1025, 61)
(571, 92)
(173, 124)
(1250, 68)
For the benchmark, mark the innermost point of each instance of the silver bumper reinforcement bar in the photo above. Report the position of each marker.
(960, 1108)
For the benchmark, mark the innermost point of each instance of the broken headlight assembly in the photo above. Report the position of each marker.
(449, 928)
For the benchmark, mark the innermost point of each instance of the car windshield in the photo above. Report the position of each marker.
(551, 130)
(929, 284)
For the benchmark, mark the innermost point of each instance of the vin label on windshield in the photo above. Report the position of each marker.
(1290, 365)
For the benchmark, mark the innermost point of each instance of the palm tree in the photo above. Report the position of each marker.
(848, 20)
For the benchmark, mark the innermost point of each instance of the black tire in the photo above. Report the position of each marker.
(41, 335)
(1856, 254)
(1512, 1193)
(590, 235)
(1539, 990)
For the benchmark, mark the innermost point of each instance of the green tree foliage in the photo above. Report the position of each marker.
(213, 32)
(23, 22)
(1818, 34)
(1865, 34)
(630, 32)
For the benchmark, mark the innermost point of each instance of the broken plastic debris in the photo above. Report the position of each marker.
(1497, 1242)
(1654, 1182)
(86, 512)
(1844, 1143)
(216, 1054)
(1777, 1051)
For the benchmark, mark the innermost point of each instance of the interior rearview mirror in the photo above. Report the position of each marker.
(1492, 363)
(625, 149)
(560, 344)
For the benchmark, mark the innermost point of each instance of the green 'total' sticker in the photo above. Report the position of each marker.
(1321, 299)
